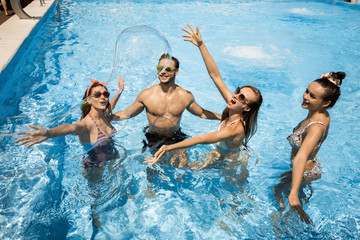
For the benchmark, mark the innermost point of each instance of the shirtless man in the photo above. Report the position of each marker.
(164, 104)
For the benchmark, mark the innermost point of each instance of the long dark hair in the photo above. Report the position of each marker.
(249, 117)
(85, 106)
(332, 87)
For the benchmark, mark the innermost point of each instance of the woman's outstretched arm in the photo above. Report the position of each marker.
(214, 73)
(208, 138)
(41, 134)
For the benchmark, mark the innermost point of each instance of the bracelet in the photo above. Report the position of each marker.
(47, 133)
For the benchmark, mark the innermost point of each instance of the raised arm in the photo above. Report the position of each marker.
(41, 134)
(207, 138)
(118, 93)
(312, 138)
(214, 73)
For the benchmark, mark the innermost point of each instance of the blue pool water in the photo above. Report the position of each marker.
(277, 46)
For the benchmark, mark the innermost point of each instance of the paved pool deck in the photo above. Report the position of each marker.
(14, 31)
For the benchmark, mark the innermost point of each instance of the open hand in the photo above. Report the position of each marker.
(121, 84)
(33, 137)
(295, 204)
(194, 37)
(157, 155)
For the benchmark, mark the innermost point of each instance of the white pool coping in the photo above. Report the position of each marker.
(14, 31)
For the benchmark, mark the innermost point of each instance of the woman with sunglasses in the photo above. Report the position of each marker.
(93, 129)
(239, 118)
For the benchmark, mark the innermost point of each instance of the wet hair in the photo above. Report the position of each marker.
(332, 91)
(168, 56)
(250, 117)
(85, 106)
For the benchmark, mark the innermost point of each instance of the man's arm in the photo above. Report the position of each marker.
(133, 110)
(195, 109)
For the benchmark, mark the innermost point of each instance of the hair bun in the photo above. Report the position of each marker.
(339, 75)
(335, 78)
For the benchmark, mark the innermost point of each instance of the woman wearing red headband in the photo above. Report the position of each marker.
(94, 128)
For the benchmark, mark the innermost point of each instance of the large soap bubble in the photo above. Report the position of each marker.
(137, 52)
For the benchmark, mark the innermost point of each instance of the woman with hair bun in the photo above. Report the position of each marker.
(310, 133)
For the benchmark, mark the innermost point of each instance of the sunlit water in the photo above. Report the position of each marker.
(277, 46)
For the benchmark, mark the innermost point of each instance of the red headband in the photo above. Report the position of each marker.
(94, 82)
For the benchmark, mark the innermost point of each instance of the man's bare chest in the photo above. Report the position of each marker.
(165, 106)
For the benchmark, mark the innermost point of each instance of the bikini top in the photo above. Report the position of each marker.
(102, 139)
(295, 138)
(222, 144)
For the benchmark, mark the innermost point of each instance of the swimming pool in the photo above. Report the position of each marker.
(277, 46)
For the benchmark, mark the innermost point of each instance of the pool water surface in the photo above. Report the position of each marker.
(277, 46)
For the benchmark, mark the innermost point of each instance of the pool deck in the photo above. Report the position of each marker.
(14, 31)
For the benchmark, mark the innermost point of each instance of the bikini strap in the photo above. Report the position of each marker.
(319, 123)
(240, 119)
(94, 121)
(315, 122)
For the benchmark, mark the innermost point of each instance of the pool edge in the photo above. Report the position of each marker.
(14, 32)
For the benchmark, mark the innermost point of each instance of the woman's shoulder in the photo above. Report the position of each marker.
(84, 123)
(321, 119)
(236, 126)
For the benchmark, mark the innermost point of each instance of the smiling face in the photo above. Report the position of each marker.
(166, 76)
(242, 99)
(313, 97)
(97, 101)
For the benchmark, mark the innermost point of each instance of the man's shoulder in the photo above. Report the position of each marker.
(181, 90)
(149, 90)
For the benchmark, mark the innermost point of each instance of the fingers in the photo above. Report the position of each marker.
(187, 31)
(191, 28)
(153, 162)
(34, 127)
(30, 144)
(160, 153)
(21, 139)
(148, 159)
(303, 215)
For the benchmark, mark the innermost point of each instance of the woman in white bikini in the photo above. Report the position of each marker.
(239, 119)
(311, 132)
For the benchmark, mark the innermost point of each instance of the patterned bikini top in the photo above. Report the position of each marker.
(102, 139)
(295, 137)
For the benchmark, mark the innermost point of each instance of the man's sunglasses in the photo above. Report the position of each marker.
(106, 94)
(168, 68)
